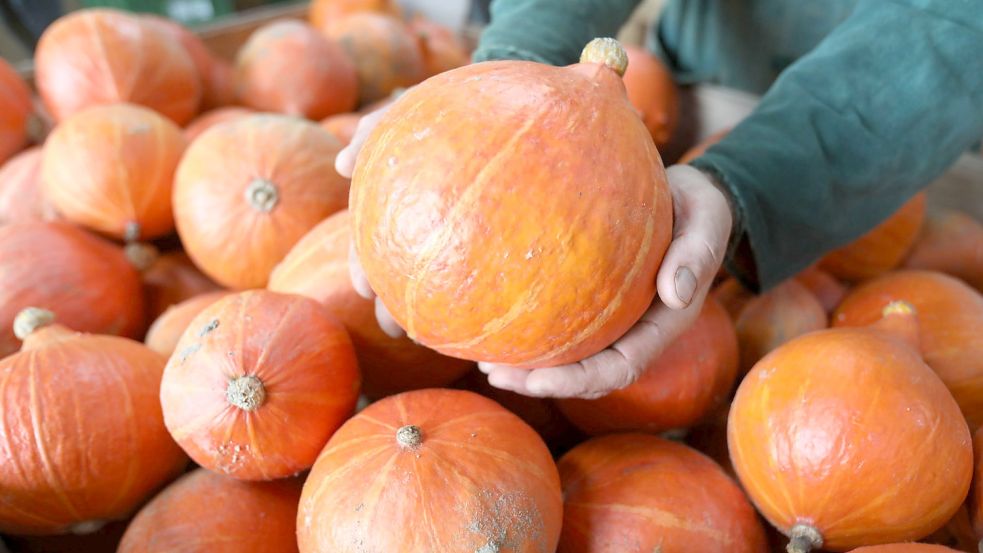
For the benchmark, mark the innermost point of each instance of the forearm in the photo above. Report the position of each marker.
(549, 31)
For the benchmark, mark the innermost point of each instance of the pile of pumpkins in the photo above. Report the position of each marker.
(509, 212)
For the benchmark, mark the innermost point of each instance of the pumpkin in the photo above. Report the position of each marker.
(325, 12)
(829, 291)
(342, 126)
(216, 86)
(211, 118)
(204, 511)
(89, 283)
(652, 91)
(526, 196)
(21, 197)
(170, 279)
(905, 548)
(704, 145)
(951, 242)
(801, 427)
(882, 248)
(386, 55)
(442, 50)
(640, 493)
(775, 317)
(247, 190)
(110, 168)
(15, 111)
(691, 378)
(258, 383)
(950, 314)
(287, 66)
(103, 56)
(317, 267)
(97, 446)
(432, 470)
(732, 295)
(166, 330)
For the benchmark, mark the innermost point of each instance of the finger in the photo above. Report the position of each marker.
(345, 162)
(591, 378)
(509, 378)
(360, 282)
(386, 321)
(486, 367)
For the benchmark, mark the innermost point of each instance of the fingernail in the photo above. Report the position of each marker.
(685, 284)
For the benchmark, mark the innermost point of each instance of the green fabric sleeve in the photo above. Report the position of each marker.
(549, 31)
(849, 132)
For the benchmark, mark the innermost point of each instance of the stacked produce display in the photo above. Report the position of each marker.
(185, 364)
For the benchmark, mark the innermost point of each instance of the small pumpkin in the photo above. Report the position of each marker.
(211, 118)
(386, 55)
(287, 66)
(883, 248)
(442, 50)
(950, 316)
(732, 296)
(640, 493)
(111, 168)
(704, 145)
(775, 317)
(247, 190)
(905, 548)
(97, 446)
(170, 279)
(166, 330)
(652, 91)
(15, 111)
(342, 126)
(432, 470)
(691, 379)
(803, 421)
(951, 242)
(21, 196)
(103, 56)
(216, 88)
(204, 511)
(527, 196)
(324, 12)
(100, 293)
(317, 267)
(829, 291)
(258, 383)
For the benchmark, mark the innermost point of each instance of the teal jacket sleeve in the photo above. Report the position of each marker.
(882, 106)
(549, 31)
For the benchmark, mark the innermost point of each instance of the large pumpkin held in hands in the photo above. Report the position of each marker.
(651, 89)
(432, 470)
(258, 383)
(103, 56)
(529, 197)
(15, 111)
(82, 437)
(845, 437)
(247, 190)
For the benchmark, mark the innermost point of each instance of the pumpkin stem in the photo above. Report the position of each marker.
(262, 195)
(246, 392)
(900, 320)
(131, 232)
(31, 319)
(141, 255)
(804, 538)
(980, 546)
(409, 436)
(606, 51)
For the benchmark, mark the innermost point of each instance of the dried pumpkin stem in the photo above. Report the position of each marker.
(899, 307)
(803, 539)
(979, 546)
(131, 232)
(262, 195)
(246, 392)
(141, 255)
(606, 51)
(409, 436)
(31, 319)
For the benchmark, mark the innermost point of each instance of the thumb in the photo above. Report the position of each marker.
(344, 163)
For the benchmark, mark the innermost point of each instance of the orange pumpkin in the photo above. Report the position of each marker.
(317, 267)
(829, 291)
(688, 381)
(325, 12)
(641, 493)
(209, 119)
(526, 196)
(802, 426)
(386, 55)
(950, 314)
(288, 67)
(171, 279)
(216, 87)
(951, 242)
(103, 56)
(652, 91)
(883, 248)
(258, 383)
(87, 282)
(21, 196)
(732, 296)
(432, 470)
(111, 168)
(704, 145)
(247, 190)
(204, 511)
(442, 50)
(775, 317)
(167, 329)
(342, 126)
(905, 548)
(82, 437)
(15, 111)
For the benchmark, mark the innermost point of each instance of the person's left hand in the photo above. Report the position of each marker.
(701, 230)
